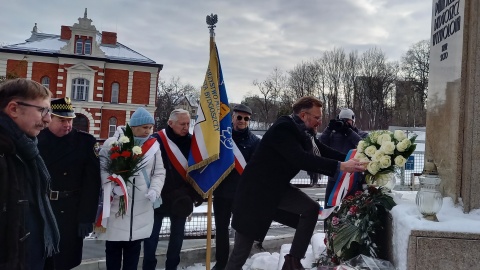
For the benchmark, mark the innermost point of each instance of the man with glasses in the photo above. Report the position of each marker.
(71, 159)
(224, 194)
(29, 235)
(265, 194)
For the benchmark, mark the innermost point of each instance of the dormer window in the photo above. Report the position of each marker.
(79, 46)
(88, 47)
(83, 45)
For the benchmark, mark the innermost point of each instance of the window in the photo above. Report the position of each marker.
(79, 46)
(114, 98)
(88, 47)
(80, 89)
(112, 126)
(46, 82)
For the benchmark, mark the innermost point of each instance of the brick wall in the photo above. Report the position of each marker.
(17, 68)
(106, 115)
(40, 69)
(141, 87)
(120, 77)
(109, 38)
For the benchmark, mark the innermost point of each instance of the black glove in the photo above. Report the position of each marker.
(84, 229)
(331, 124)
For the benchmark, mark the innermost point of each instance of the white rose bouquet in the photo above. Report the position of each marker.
(384, 151)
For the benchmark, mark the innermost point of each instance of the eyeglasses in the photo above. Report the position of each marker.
(318, 118)
(246, 118)
(43, 110)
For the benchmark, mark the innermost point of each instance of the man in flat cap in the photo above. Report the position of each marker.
(71, 159)
(246, 142)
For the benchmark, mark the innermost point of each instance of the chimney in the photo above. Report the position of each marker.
(66, 32)
(109, 38)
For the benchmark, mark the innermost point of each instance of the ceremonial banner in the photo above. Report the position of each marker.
(211, 156)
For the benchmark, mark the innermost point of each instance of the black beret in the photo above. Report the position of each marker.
(242, 108)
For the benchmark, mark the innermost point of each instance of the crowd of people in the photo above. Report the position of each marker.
(55, 181)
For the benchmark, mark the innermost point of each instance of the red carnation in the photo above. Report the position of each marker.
(114, 155)
(126, 154)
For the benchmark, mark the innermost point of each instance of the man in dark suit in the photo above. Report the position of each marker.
(71, 159)
(224, 194)
(265, 194)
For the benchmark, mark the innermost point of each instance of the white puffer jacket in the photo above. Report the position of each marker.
(137, 223)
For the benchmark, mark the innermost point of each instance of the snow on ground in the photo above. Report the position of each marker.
(406, 218)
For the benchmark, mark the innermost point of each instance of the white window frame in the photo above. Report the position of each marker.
(87, 47)
(80, 89)
(45, 81)
(79, 46)
(112, 126)
(115, 92)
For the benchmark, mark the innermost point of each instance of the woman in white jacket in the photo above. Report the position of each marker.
(124, 233)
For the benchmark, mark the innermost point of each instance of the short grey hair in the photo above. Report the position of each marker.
(174, 114)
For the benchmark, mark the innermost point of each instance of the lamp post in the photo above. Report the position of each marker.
(429, 200)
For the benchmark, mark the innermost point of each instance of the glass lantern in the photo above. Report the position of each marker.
(429, 200)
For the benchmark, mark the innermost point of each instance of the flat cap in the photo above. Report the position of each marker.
(242, 108)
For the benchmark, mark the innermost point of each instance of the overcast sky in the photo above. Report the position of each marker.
(253, 36)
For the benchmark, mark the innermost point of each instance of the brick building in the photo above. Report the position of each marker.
(105, 79)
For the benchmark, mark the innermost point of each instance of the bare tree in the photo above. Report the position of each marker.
(270, 90)
(168, 96)
(375, 84)
(415, 70)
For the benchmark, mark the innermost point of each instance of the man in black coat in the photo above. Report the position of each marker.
(71, 159)
(224, 194)
(265, 194)
(28, 232)
(178, 196)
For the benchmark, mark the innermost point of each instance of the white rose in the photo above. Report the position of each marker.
(112, 143)
(401, 147)
(399, 135)
(360, 156)
(388, 147)
(373, 167)
(382, 179)
(400, 161)
(361, 146)
(370, 151)
(137, 150)
(378, 155)
(384, 138)
(124, 139)
(385, 161)
(407, 142)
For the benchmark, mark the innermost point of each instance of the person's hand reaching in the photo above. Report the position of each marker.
(353, 165)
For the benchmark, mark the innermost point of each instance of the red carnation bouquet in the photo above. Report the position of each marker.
(125, 160)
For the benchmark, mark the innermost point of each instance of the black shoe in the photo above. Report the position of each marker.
(292, 263)
(218, 267)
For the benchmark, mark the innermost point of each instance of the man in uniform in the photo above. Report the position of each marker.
(71, 159)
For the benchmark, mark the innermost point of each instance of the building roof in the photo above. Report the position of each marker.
(51, 44)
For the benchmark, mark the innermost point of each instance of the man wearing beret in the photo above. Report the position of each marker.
(74, 166)
(246, 142)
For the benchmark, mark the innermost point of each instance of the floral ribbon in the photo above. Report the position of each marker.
(343, 184)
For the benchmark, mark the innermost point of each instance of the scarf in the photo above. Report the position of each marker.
(309, 132)
(40, 180)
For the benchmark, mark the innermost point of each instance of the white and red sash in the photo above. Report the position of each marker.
(240, 162)
(174, 154)
(149, 148)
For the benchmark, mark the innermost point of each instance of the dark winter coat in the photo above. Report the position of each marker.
(340, 141)
(73, 166)
(246, 142)
(175, 185)
(284, 150)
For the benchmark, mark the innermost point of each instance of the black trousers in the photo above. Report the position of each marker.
(294, 201)
(222, 207)
(126, 253)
